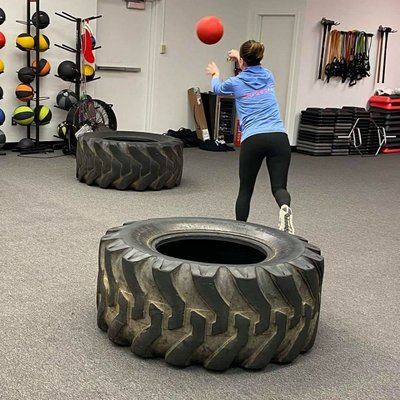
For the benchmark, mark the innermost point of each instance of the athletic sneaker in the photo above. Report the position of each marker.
(286, 219)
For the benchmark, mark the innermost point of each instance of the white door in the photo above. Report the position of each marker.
(124, 36)
(277, 35)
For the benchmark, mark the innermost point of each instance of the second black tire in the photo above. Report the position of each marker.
(129, 160)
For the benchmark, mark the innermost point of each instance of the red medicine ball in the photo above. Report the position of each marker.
(210, 29)
(2, 40)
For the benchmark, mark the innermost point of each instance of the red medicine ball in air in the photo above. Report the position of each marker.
(210, 29)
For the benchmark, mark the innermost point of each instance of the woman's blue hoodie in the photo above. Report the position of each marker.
(256, 103)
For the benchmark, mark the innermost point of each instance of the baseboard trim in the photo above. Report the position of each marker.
(59, 144)
(53, 144)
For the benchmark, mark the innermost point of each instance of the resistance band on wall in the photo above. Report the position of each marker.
(327, 24)
(383, 36)
(345, 54)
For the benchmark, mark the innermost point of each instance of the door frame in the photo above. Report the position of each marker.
(155, 33)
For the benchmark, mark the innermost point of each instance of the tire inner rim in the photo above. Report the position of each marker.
(212, 249)
(128, 139)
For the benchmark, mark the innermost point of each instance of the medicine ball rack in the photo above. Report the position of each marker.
(69, 147)
(78, 49)
(38, 147)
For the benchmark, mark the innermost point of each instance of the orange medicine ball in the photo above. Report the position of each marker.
(44, 67)
(24, 92)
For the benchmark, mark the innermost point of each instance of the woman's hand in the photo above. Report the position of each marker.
(213, 70)
(233, 55)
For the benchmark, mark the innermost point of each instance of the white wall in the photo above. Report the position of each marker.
(59, 31)
(126, 40)
(159, 91)
(364, 15)
(156, 98)
(184, 63)
(163, 83)
(183, 66)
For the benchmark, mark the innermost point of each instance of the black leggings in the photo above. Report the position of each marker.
(275, 148)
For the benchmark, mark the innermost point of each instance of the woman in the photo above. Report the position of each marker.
(263, 132)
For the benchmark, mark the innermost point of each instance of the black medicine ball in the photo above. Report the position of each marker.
(2, 139)
(26, 143)
(2, 16)
(26, 75)
(1, 93)
(68, 71)
(66, 99)
(42, 22)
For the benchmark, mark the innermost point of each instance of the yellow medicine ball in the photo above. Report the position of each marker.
(88, 71)
(44, 42)
(23, 115)
(42, 115)
(25, 41)
(1, 66)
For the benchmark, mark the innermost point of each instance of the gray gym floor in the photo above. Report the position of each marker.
(51, 348)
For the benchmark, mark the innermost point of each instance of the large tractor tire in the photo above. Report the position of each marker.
(210, 291)
(129, 160)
